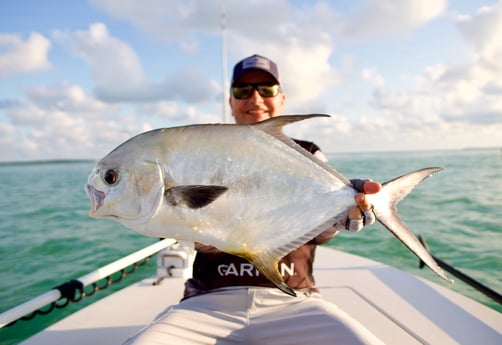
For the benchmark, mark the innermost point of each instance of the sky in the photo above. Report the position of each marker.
(77, 78)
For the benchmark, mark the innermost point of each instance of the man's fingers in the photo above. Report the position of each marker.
(362, 214)
(355, 213)
(371, 187)
(369, 217)
(362, 202)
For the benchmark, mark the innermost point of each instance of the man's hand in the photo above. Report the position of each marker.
(362, 214)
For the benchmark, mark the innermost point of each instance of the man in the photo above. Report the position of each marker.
(227, 301)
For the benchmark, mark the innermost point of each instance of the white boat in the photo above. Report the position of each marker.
(396, 306)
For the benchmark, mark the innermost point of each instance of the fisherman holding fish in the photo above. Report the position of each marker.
(256, 203)
(228, 301)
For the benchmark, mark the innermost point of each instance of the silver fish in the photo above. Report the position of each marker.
(247, 190)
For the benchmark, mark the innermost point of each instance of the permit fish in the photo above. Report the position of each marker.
(248, 190)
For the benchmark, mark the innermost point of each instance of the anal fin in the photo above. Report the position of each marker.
(268, 267)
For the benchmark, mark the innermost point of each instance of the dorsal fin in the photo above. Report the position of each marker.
(274, 125)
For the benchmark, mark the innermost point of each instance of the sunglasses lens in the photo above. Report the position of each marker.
(242, 92)
(245, 91)
(268, 90)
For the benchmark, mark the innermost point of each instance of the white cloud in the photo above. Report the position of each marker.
(449, 93)
(115, 67)
(483, 32)
(289, 35)
(119, 77)
(381, 18)
(312, 67)
(371, 75)
(438, 107)
(165, 113)
(17, 55)
(65, 97)
(300, 39)
(63, 122)
(167, 20)
(189, 46)
(447, 105)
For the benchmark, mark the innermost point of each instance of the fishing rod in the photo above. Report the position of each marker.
(223, 25)
(485, 290)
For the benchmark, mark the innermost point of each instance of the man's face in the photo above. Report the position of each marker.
(256, 108)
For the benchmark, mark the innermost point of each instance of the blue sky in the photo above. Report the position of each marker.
(79, 77)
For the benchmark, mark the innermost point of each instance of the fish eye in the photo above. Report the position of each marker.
(111, 176)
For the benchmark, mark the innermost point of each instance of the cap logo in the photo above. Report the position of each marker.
(256, 62)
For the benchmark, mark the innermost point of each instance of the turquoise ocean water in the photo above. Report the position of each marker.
(46, 237)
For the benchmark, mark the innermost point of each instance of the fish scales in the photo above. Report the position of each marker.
(246, 189)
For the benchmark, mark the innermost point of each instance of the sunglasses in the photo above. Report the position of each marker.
(265, 90)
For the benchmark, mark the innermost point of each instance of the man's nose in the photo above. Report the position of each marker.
(255, 96)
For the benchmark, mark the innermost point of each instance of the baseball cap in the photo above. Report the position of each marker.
(255, 62)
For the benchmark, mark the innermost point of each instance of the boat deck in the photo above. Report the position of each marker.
(396, 306)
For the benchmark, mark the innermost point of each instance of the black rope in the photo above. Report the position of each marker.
(74, 291)
(69, 289)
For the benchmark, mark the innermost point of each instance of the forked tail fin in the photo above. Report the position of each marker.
(385, 202)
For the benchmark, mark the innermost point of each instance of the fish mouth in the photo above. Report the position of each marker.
(95, 196)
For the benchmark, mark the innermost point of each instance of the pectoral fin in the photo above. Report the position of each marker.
(193, 196)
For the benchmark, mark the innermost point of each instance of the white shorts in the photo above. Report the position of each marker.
(249, 315)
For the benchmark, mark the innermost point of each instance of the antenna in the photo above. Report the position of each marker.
(224, 62)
